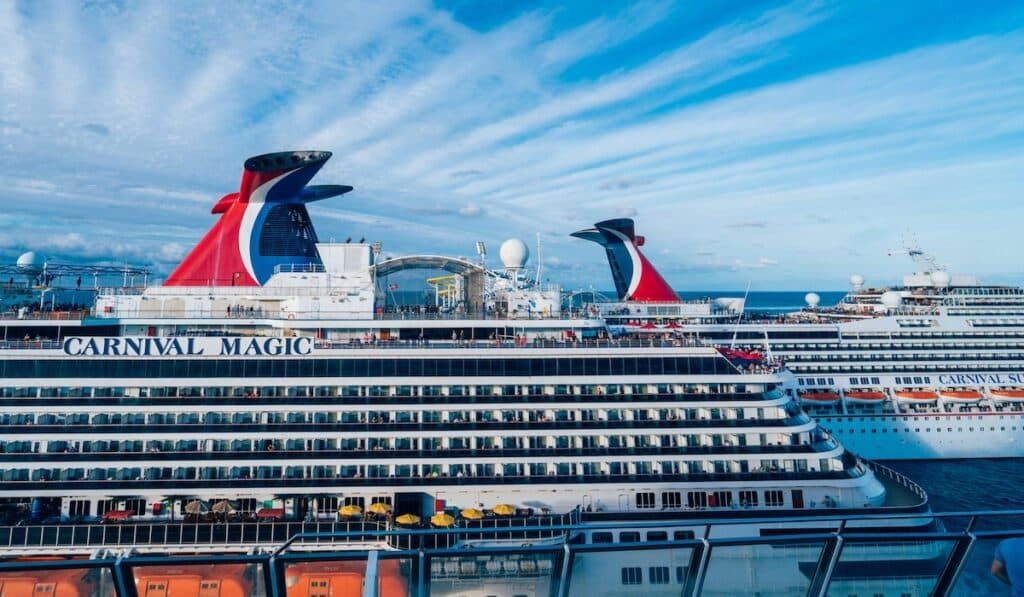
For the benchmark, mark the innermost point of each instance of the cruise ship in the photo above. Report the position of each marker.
(933, 368)
(263, 381)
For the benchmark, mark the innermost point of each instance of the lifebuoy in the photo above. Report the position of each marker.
(291, 316)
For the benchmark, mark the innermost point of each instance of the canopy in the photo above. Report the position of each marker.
(442, 519)
(408, 519)
(196, 507)
(471, 514)
(223, 507)
(504, 510)
(379, 508)
(350, 510)
(741, 355)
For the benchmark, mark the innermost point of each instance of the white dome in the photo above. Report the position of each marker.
(891, 299)
(857, 281)
(812, 299)
(940, 279)
(31, 260)
(514, 253)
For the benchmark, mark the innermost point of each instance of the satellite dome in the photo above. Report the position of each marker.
(891, 299)
(31, 261)
(812, 299)
(514, 253)
(940, 279)
(857, 281)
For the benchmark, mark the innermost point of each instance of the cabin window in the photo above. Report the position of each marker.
(671, 499)
(632, 575)
(658, 575)
(645, 499)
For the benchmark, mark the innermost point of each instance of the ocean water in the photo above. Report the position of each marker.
(758, 301)
(972, 485)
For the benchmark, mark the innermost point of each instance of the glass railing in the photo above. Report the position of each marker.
(947, 554)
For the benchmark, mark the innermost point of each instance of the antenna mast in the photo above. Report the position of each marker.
(925, 261)
(540, 261)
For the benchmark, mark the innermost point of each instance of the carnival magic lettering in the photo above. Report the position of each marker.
(185, 347)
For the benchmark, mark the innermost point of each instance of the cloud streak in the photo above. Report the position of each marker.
(727, 133)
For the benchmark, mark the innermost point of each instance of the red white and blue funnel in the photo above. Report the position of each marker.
(635, 278)
(262, 226)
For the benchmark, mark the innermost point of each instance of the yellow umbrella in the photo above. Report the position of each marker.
(471, 514)
(442, 519)
(379, 508)
(504, 510)
(408, 519)
(350, 510)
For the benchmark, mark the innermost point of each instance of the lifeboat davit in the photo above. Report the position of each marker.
(312, 579)
(864, 396)
(962, 396)
(1007, 394)
(222, 580)
(821, 398)
(916, 396)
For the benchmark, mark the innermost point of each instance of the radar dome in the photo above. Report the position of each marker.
(31, 261)
(812, 299)
(514, 253)
(940, 279)
(891, 299)
(857, 281)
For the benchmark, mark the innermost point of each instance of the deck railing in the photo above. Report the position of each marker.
(944, 554)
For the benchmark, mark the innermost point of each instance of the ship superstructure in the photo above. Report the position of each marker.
(933, 368)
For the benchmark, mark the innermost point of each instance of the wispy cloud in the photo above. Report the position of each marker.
(796, 126)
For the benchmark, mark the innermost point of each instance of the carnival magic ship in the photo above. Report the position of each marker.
(262, 382)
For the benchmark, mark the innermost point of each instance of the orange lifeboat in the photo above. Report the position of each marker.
(1008, 394)
(49, 583)
(864, 396)
(314, 579)
(818, 397)
(221, 580)
(964, 396)
(916, 396)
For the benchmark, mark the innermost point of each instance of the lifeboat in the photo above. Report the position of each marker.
(821, 398)
(1007, 394)
(221, 580)
(916, 396)
(963, 396)
(312, 579)
(59, 583)
(864, 396)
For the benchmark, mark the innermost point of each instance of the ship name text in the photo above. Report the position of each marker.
(960, 379)
(185, 347)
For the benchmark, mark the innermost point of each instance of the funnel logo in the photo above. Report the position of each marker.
(264, 225)
(635, 277)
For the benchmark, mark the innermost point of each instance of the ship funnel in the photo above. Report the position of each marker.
(262, 226)
(635, 278)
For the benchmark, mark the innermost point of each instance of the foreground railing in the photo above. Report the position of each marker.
(942, 554)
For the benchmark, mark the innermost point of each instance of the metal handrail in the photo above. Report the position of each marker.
(559, 555)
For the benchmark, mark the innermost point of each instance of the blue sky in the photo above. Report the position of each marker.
(783, 144)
